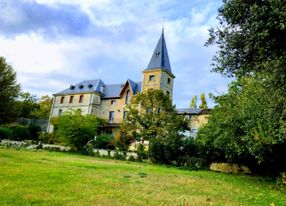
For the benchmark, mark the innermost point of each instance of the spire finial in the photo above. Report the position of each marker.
(163, 25)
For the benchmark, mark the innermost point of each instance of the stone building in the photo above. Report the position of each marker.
(108, 100)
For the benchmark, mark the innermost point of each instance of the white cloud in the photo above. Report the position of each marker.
(121, 39)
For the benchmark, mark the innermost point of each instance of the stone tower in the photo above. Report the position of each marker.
(158, 74)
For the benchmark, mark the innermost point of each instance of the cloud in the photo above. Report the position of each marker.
(55, 43)
(19, 17)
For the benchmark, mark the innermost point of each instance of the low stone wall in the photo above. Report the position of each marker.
(229, 168)
(112, 153)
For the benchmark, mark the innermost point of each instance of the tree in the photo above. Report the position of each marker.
(76, 129)
(151, 115)
(27, 105)
(193, 104)
(204, 104)
(9, 91)
(44, 107)
(244, 128)
(249, 123)
(251, 39)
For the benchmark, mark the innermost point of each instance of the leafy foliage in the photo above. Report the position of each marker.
(44, 107)
(249, 123)
(9, 91)
(204, 104)
(245, 128)
(151, 115)
(193, 103)
(104, 141)
(76, 129)
(27, 104)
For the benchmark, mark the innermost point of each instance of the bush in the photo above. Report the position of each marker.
(5, 133)
(119, 155)
(48, 138)
(142, 154)
(76, 129)
(104, 141)
(20, 133)
(34, 131)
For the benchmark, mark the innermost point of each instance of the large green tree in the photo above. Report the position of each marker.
(244, 128)
(251, 39)
(151, 115)
(27, 104)
(249, 123)
(9, 91)
(44, 107)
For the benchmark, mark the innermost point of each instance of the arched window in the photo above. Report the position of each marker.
(62, 100)
(71, 99)
(80, 99)
(127, 98)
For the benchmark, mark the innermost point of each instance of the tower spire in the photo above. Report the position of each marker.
(160, 57)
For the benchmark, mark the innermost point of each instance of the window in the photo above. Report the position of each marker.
(60, 112)
(127, 98)
(124, 114)
(71, 99)
(151, 78)
(113, 101)
(169, 81)
(111, 116)
(62, 100)
(80, 99)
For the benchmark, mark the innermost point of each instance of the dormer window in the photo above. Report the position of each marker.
(72, 87)
(157, 54)
(81, 86)
(151, 78)
(90, 86)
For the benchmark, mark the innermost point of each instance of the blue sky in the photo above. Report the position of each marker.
(55, 43)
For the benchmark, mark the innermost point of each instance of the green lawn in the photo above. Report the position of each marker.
(52, 178)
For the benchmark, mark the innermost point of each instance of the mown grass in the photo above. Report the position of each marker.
(52, 178)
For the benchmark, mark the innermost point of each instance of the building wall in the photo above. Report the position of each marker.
(117, 107)
(92, 104)
(160, 81)
(198, 120)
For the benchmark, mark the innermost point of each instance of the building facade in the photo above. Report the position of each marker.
(108, 101)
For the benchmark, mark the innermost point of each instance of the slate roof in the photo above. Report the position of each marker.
(193, 111)
(83, 87)
(109, 90)
(188, 111)
(160, 58)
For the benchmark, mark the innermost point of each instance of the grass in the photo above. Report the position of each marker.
(52, 178)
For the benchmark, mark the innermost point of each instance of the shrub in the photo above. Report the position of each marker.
(5, 133)
(48, 138)
(20, 133)
(142, 154)
(76, 129)
(104, 141)
(119, 155)
(34, 131)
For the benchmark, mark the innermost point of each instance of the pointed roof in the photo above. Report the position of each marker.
(160, 58)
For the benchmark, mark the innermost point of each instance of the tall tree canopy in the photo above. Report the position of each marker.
(249, 123)
(204, 104)
(151, 115)
(9, 91)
